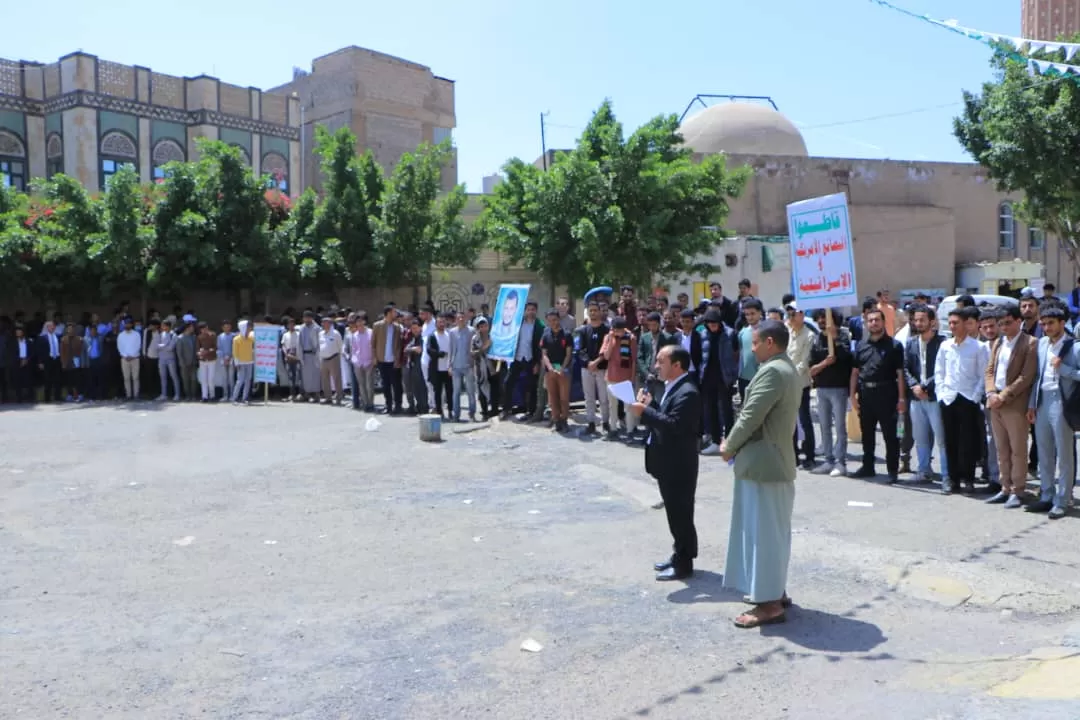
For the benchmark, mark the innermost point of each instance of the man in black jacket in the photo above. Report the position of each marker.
(831, 375)
(671, 455)
(920, 358)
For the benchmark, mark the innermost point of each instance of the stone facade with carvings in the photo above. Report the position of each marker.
(85, 117)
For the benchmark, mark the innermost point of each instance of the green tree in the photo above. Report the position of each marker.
(317, 258)
(420, 227)
(237, 214)
(122, 249)
(65, 229)
(182, 253)
(1026, 132)
(18, 259)
(352, 195)
(615, 209)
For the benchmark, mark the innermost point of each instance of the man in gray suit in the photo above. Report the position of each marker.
(1055, 379)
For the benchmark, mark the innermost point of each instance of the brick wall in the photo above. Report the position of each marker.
(52, 80)
(391, 137)
(235, 100)
(275, 109)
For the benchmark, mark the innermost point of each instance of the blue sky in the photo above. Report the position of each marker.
(835, 67)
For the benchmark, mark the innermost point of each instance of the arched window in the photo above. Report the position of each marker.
(166, 151)
(12, 161)
(1006, 227)
(54, 155)
(275, 165)
(117, 149)
(1036, 239)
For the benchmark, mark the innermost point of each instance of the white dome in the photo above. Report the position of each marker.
(742, 128)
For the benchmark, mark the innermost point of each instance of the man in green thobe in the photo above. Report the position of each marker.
(759, 546)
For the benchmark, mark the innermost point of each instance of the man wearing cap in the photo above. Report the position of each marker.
(717, 374)
(729, 311)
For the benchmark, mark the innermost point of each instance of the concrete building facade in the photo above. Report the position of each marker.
(913, 223)
(1049, 19)
(86, 117)
(391, 105)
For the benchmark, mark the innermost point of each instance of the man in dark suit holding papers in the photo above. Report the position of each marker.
(671, 454)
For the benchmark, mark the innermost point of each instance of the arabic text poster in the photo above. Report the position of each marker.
(822, 258)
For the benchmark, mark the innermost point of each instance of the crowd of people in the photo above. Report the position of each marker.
(1000, 377)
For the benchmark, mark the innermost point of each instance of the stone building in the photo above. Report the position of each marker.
(1049, 19)
(391, 105)
(86, 117)
(914, 223)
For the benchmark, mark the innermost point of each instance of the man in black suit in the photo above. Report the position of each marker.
(671, 454)
(47, 354)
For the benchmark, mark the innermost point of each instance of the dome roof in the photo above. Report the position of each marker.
(742, 128)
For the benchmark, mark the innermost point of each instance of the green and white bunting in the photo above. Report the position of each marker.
(1021, 48)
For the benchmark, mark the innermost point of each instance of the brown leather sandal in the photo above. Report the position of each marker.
(756, 621)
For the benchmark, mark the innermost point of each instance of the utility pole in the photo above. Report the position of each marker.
(543, 139)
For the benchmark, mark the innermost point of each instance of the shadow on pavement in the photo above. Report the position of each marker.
(704, 587)
(826, 632)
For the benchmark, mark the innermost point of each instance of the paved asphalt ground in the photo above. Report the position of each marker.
(183, 561)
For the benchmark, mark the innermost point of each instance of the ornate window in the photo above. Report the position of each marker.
(117, 150)
(166, 151)
(54, 155)
(1006, 227)
(1036, 239)
(275, 165)
(12, 161)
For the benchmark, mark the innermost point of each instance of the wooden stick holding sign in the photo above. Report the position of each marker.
(829, 330)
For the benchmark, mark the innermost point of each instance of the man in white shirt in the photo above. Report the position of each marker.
(959, 381)
(427, 329)
(129, 345)
(1056, 375)
(330, 345)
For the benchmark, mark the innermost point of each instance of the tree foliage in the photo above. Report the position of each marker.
(419, 229)
(353, 188)
(122, 248)
(614, 208)
(1025, 130)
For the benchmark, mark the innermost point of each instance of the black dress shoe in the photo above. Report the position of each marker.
(663, 565)
(674, 573)
(864, 472)
(1039, 506)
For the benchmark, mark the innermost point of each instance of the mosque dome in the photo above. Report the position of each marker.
(742, 128)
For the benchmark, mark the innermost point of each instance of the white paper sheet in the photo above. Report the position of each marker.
(623, 391)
